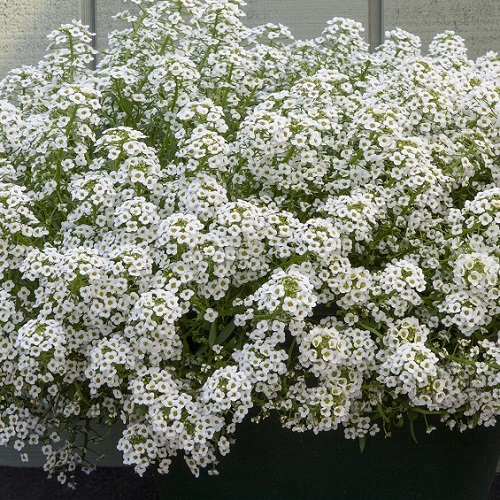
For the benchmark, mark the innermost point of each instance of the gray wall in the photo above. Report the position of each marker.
(105, 9)
(25, 23)
(478, 21)
(305, 18)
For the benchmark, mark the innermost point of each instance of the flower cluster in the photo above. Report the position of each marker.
(222, 222)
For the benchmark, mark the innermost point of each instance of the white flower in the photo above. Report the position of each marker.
(215, 218)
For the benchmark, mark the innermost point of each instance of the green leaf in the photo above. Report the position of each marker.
(226, 332)
(412, 416)
(381, 412)
(399, 422)
(212, 336)
(362, 443)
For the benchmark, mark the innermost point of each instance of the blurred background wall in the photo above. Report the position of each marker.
(24, 24)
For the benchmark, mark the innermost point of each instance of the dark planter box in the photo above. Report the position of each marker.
(270, 462)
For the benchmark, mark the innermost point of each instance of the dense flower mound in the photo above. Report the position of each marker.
(221, 218)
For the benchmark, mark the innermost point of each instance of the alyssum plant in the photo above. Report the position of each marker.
(173, 222)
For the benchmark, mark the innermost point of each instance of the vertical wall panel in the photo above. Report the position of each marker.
(478, 21)
(105, 10)
(305, 18)
(24, 25)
